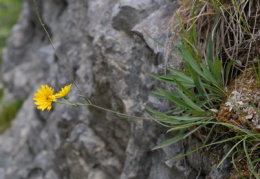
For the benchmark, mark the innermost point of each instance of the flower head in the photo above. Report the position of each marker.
(64, 92)
(44, 97)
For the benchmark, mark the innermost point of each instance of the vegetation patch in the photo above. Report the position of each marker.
(217, 90)
(7, 113)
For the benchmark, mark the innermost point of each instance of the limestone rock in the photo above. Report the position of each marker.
(103, 45)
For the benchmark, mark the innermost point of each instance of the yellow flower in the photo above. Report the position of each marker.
(64, 92)
(44, 97)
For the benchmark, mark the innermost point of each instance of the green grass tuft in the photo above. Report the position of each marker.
(201, 88)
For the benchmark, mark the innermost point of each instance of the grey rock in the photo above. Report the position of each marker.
(154, 28)
(128, 13)
(50, 174)
(47, 56)
(107, 53)
(2, 173)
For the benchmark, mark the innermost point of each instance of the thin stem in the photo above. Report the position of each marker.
(56, 53)
(104, 109)
(120, 114)
(70, 101)
(71, 104)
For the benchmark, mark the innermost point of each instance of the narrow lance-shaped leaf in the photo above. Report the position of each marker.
(209, 49)
(188, 57)
(188, 101)
(179, 136)
(187, 91)
(251, 166)
(174, 99)
(208, 74)
(218, 69)
(186, 119)
(196, 81)
(176, 119)
(176, 138)
(218, 142)
(229, 65)
(227, 154)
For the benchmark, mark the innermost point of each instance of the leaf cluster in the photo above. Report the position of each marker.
(193, 109)
(212, 36)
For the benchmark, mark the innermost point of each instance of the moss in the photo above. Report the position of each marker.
(8, 113)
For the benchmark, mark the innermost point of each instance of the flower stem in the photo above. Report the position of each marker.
(71, 104)
(104, 109)
(70, 101)
(117, 113)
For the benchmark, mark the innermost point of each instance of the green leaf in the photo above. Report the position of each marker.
(218, 142)
(256, 160)
(185, 34)
(121, 116)
(158, 95)
(170, 79)
(183, 126)
(198, 113)
(174, 112)
(209, 48)
(163, 116)
(181, 75)
(229, 65)
(179, 136)
(188, 101)
(208, 74)
(176, 138)
(188, 57)
(227, 154)
(176, 119)
(234, 163)
(154, 76)
(174, 99)
(241, 130)
(183, 120)
(196, 81)
(187, 91)
(215, 68)
(218, 69)
(193, 32)
(251, 168)
(86, 99)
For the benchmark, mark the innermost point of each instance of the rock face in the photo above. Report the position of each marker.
(105, 46)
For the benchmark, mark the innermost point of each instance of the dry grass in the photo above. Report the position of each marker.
(237, 34)
(203, 18)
